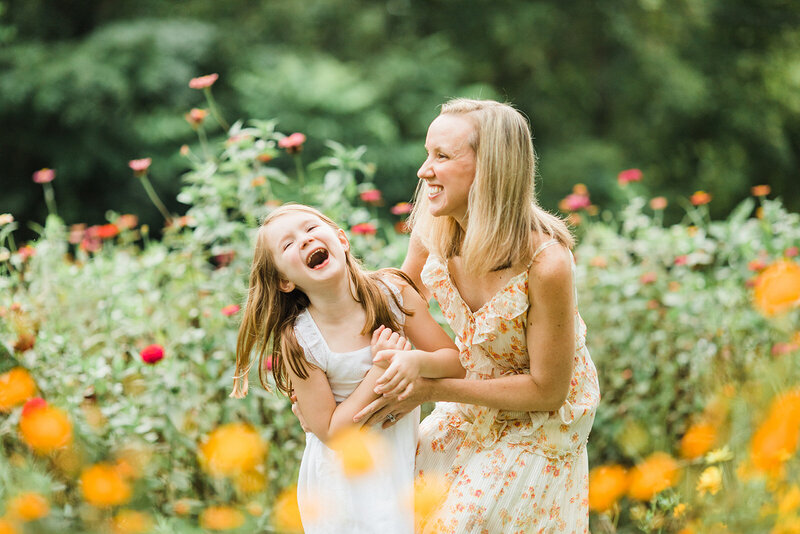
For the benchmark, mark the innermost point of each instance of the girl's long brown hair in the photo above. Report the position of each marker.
(269, 315)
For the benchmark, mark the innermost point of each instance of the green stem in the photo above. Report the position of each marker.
(212, 105)
(154, 198)
(50, 198)
(301, 176)
(201, 134)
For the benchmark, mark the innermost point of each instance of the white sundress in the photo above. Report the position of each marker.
(377, 502)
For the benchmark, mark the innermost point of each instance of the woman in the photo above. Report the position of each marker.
(509, 439)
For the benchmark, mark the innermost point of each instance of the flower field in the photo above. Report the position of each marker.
(117, 352)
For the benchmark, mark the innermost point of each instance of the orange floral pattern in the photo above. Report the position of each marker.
(508, 471)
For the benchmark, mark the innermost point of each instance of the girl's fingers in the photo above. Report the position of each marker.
(376, 333)
(391, 384)
(383, 354)
(387, 375)
(398, 389)
(393, 339)
(407, 345)
(404, 395)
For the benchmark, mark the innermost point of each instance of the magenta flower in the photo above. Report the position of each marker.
(293, 143)
(575, 202)
(629, 175)
(140, 166)
(44, 176)
(401, 208)
(791, 252)
(371, 196)
(203, 81)
(230, 309)
(152, 354)
(364, 229)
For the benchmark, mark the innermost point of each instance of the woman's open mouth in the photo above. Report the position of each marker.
(318, 259)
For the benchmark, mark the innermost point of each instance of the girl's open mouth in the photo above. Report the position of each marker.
(318, 258)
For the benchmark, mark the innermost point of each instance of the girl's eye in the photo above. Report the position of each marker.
(286, 245)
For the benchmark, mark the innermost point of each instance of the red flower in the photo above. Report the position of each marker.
(140, 166)
(107, 231)
(152, 354)
(26, 252)
(648, 278)
(791, 252)
(700, 198)
(293, 143)
(33, 404)
(264, 157)
(203, 81)
(230, 309)
(364, 229)
(757, 265)
(630, 175)
(44, 175)
(371, 196)
(681, 260)
(401, 208)
(575, 202)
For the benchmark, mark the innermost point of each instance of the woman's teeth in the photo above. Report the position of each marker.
(434, 189)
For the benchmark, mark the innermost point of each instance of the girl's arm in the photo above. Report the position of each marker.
(550, 335)
(436, 355)
(315, 401)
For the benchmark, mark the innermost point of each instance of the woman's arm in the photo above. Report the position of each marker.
(550, 335)
(414, 262)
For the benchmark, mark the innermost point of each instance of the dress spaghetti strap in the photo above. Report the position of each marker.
(542, 247)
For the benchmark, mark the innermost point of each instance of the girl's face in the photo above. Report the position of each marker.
(306, 250)
(449, 169)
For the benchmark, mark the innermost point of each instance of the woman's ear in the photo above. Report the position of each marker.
(286, 286)
(343, 239)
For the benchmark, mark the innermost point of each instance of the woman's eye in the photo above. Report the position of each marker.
(441, 156)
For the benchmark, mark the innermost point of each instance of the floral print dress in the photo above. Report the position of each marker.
(507, 471)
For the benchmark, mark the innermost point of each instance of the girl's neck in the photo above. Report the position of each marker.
(334, 304)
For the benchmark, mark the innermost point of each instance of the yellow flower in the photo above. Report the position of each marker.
(16, 386)
(132, 522)
(103, 486)
(45, 428)
(28, 506)
(359, 450)
(429, 492)
(777, 288)
(255, 509)
(250, 482)
(221, 518)
(607, 483)
(679, 510)
(776, 439)
(710, 481)
(7, 527)
(719, 455)
(286, 512)
(698, 440)
(182, 507)
(656, 473)
(231, 450)
(790, 501)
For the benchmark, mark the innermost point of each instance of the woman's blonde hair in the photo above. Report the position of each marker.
(269, 315)
(503, 217)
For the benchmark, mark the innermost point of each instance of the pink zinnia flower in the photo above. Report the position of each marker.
(230, 309)
(575, 202)
(791, 252)
(371, 196)
(152, 354)
(202, 82)
(44, 176)
(293, 143)
(32, 405)
(401, 208)
(757, 265)
(140, 166)
(630, 175)
(364, 229)
(648, 278)
(681, 260)
(26, 252)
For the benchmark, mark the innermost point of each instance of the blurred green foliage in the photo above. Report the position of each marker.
(698, 94)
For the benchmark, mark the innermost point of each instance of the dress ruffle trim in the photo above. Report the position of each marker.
(309, 337)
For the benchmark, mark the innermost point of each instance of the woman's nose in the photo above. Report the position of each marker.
(425, 171)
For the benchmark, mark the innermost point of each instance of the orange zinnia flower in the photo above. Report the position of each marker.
(7, 527)
(357, 449)
(44, 428)
(103, 486)
(221, 518)
(700, 197)
(132, 522)
(656, 473)
(16, 386)
(698, 440)
(658, 203)
(760, 190)
(286, 512)
(776, 439)
(28, 506)
(777, 288)
(607, 483)
(231, 450)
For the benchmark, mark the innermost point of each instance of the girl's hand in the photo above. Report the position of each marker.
(297, 413)
(377, 412)
(384, 339)
(398, 380)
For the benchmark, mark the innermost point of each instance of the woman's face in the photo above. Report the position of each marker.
(449, 169)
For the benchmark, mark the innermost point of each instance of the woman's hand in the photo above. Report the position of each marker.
(378, 411)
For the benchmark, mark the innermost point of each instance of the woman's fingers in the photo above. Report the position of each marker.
(408, 391)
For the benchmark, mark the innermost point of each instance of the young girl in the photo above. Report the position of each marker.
(332, 329)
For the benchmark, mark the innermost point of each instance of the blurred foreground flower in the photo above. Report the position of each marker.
(429, 492)
(44, 176)
(777, 288)
(231, 450)
(152, 354)
(286, 512)
(700, 198)
(103, 486)
(6, 218)
(776, 439)
(656, 473)
(201, 82)
(43, 427)
(359, 450)
(16, 386)
(221, 518)
(7, 527)
(629, 175)
(710, 481)
(698, 440)
(28, 506)
(132, 522)
(607, 483)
